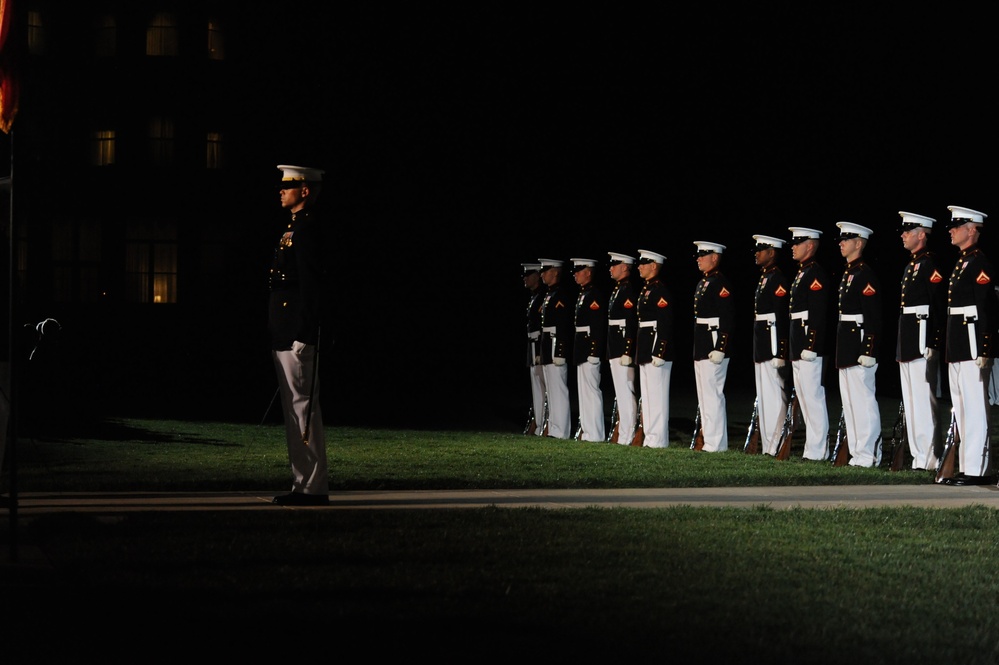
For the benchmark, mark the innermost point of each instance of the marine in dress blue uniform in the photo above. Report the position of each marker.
(557, 332)
(921, 318)
(295, 303)
(622, 343)
(858, 341)
(971, 323)
(589, 348)
(714, 323)
(770, 348)
(656, 351)
(808, 339)
(536, 291)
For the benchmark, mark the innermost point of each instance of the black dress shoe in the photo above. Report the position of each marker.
(961, 480)
(299, 499)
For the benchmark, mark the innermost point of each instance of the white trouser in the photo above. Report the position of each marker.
(538, 396)
(559, 409)
(861, 415)
(591, 402)
(919, 400)
(654, 383)
(969, 395)
(710, 382)
(627, 402)
(309, 472)
(811, 396)
(771, 404)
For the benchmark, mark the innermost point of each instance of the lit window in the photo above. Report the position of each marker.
(103, 147)
(151, 262)
(216, 45)
(106, 38)
(161, 141)
(36, 33)
(214, 157)
(161, 36)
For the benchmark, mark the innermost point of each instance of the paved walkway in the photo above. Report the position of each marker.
(847, 496)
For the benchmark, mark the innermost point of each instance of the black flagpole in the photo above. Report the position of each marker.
(11, 436)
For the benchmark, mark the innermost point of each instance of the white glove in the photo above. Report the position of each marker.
(625, 360)
(558, 361)
(809, 356)
(777, 362)
(593, 360)
(537, 360)
(658, 362)
(297, 347)
(929, 353)
(716, 357)
(867, 361)
(981, 361)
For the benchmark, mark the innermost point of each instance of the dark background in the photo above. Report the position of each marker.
(460, 145)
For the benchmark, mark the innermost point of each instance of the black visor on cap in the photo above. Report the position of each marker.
(615, 262)
(961, 221)
(848, 236)
(646, 260)
(703, 252)
(760, 246)
(580, 267)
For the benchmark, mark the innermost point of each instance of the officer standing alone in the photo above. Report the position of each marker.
(294, 310)
(858, 339)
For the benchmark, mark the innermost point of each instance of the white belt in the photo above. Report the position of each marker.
(970, 313)
(583, 329)
(856, 318)
(712, 323)
(617, 322)
(646, 324)
(771, 319)
(797, 316)
(549, 329)
(534, 334)
(922, 313)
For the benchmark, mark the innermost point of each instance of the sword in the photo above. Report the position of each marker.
(312, 390)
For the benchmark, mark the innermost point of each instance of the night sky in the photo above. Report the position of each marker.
(461, 144)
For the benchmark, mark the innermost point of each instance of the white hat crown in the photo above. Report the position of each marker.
(850, 230)
(776, 243)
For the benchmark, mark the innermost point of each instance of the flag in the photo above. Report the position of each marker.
(9, 87)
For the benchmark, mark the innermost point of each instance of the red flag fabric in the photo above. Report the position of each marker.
(9, 87)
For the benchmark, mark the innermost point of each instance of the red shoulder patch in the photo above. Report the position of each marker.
(662, 303)
(780, 292)
(868, 290)
(724, 293)
(816, 285)
(628, 304)
(936, 277)
(983, 278)
(594, 305)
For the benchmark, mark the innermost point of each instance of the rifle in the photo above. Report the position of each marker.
(532, 425)
(841, 451)
(697, 443)
(783, 451)
(752, 445)
(544, 430)
(899, 441)
(615, 423)
(639, 439)
(945, 466)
